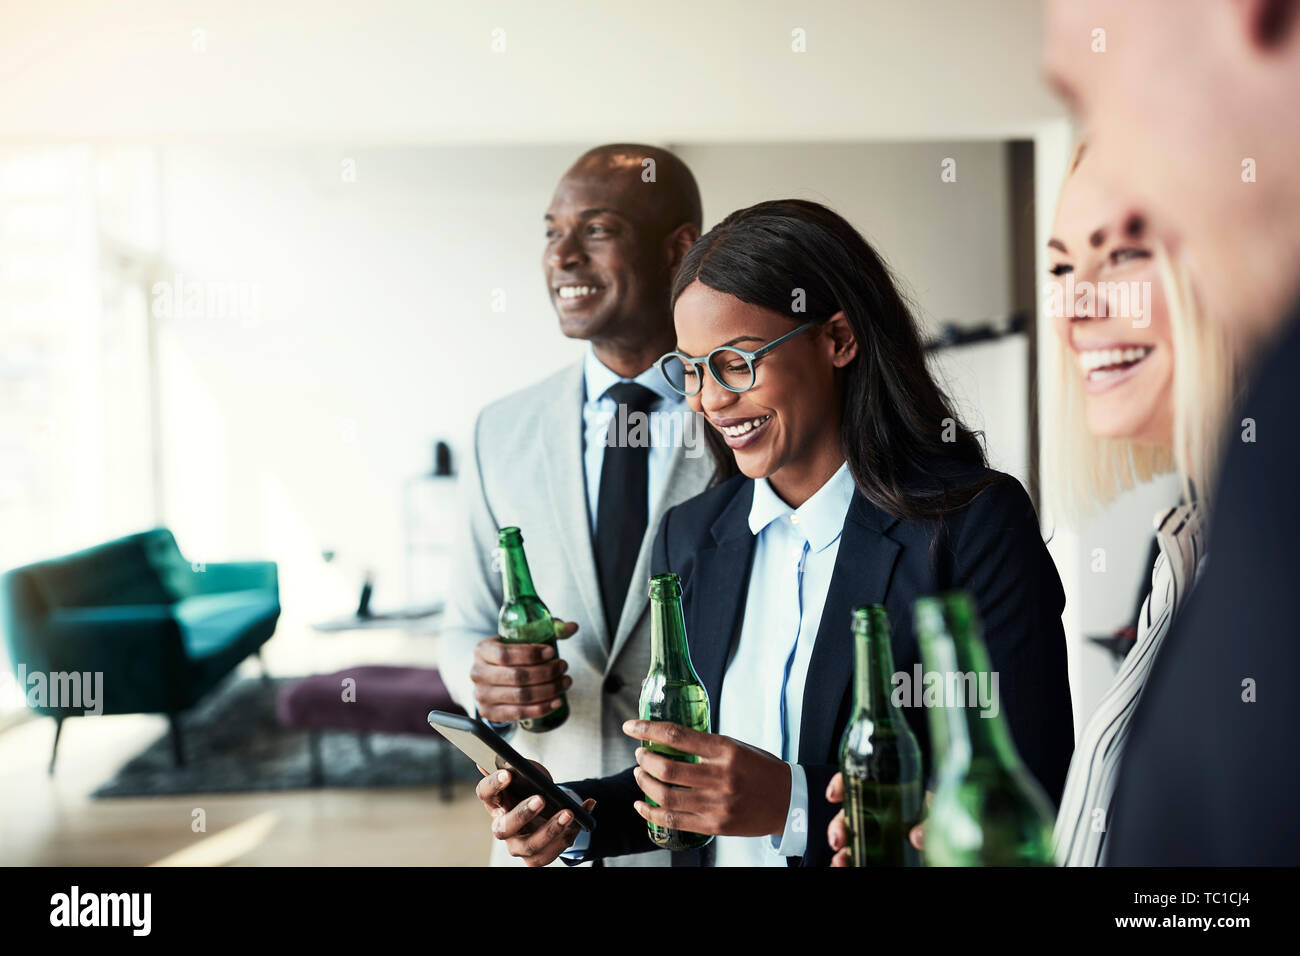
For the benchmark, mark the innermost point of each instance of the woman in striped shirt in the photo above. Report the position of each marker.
(1142, 385)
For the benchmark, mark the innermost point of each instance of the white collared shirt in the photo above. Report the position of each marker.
(598, 409)
(794, 558)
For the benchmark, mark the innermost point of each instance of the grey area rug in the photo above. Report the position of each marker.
(234, 743)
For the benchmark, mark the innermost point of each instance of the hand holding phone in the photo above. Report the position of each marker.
(532, 830)
(536, 819)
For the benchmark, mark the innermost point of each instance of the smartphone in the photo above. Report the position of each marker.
(483, 745)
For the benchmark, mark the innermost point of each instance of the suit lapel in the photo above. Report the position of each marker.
(686, 478)
(718, 588)
(566, 488)
(863, 566)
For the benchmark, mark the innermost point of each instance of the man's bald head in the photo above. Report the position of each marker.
(654, 178)
(621, 220)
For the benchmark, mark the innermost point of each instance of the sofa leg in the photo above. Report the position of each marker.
(317, 761)
(178, 750)
(58, 729)
(363, 741)
(266, 674)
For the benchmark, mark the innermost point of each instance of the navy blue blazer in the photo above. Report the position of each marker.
(991, 548)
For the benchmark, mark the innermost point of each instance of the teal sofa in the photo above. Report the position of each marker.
(160, 631)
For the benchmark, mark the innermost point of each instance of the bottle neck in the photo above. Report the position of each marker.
(873, 669)
(669, 654)
(969, 725)
(516, 581)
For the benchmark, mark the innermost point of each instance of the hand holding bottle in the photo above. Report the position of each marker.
(524, 822)
(734, 789)
(519, 681)
(837, 834)
(530, 686)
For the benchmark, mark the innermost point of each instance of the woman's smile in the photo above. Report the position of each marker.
(741, 432)
(1107, 368)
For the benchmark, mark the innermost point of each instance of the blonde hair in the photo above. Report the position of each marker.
(1092, 471)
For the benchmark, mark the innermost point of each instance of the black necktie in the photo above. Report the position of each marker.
(622, 508)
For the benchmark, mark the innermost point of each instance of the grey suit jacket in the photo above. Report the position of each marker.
(525, 468)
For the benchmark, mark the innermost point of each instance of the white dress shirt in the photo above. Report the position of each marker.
(597, 410)
(762, 691)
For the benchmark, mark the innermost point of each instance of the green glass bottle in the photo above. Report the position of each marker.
(672, 691)
(880, 760)
(524, 619)
(987, 809)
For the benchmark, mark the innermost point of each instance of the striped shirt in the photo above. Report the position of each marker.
(1081, 825)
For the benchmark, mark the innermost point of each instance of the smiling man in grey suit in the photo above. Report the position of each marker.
(585, 462)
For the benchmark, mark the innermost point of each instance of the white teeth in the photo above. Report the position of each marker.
(1093, 359)
(1104, 374)
(576, 291)
(735, 431)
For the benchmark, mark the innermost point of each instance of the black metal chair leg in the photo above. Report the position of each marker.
(178, 749)
(58, 729)
(317, 762)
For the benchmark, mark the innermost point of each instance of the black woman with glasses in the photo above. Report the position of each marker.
(847, 479)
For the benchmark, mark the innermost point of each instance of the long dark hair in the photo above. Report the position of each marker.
(909, 453)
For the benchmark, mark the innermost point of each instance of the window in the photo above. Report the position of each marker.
(76, 433)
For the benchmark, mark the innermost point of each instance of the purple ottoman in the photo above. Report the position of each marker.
(391, 700)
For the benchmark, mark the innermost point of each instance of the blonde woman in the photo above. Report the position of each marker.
(1142, 388)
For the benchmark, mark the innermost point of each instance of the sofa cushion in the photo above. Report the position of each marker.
(220, 630)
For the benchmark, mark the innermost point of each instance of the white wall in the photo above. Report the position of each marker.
(987, 383)
(374, 335)
(404, 71)
(948, 242)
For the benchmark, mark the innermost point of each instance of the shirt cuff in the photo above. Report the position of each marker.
(794, 841)
(578, 852)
